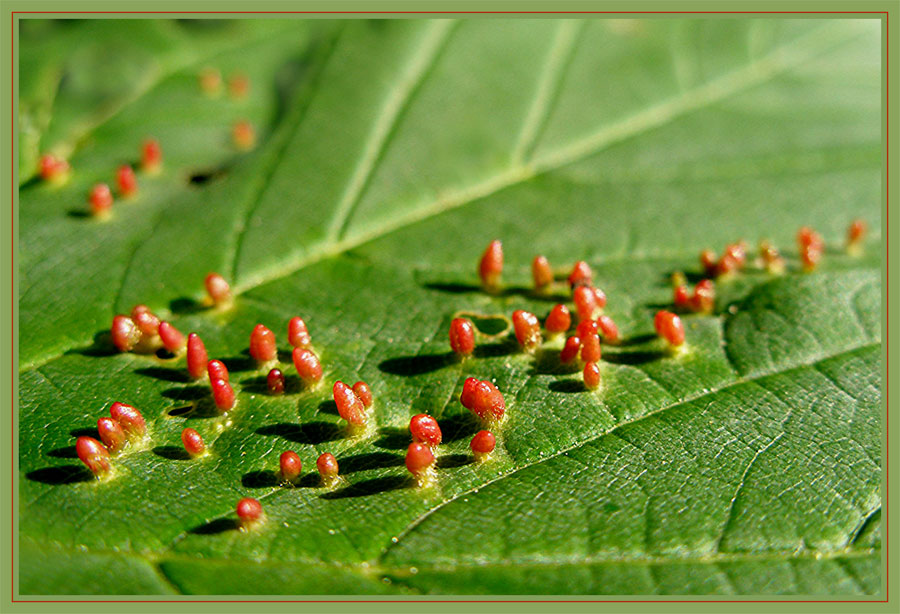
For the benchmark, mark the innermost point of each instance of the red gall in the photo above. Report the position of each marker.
(262, 344)
(290, 465)
(193, 442)
(586, 327)
(171, 337)
(243, 135)
(126, 182)
(483, 399)
(570, 349)
(327, 466)
(130, 419)
(275, 381)
(217, 289)
(590, 348)
(349, 407)
(704, 299)
(308, 367)
(737, 252)
(541, 272)
(111, 434)
(482, 444)
(608, 329)
(585, 302)
(93, 455)
(424, 429)
(124, 333)
(559, 320)
(146, 320)
(491, 265)
(856, 232)
(210, 80)
(364, 393)
(196, 356)
(669, 327)
(462, 337)
(771, 258)
(811, 247)
(249, 511)
(599, 297)
(223, 394)
(53, 168)
(420, 462)
(238, 85)
(100, 199)
(591, 375)
(298, 335)
(528, 329)
(151, 156)
(217, 370)
(682, 298)
(581, 275)
(709, 262)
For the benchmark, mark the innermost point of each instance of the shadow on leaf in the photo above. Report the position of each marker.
(310, 433)
(167, 375)
(416, 365)
(370, 460)
(393, 438)
(65, 452)
(215, 527)
(260, 479)
(568, 386)
(449, 461)
(371, 487)
(458, 426)
(64, 474)
(172, 453)
(100, 348)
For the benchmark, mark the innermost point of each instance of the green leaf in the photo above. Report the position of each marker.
(389, 154)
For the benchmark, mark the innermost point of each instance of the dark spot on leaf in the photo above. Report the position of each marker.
(370, 460)
(310, 433)
(164, 354)
(65, 452)
(371, 487)
(637, 340)
(64, 474)
(449, 461)
(416, 365)
(185, 305)
(393, 438)
(202, 177)
(567, 386)
(632, 358)
(85, 432)
(100, 348)
(237, 364)
(260, 385)
(172, 452)
(260, 479)
(79, 214)
(167, 375)
(214, 527)
(182, 410)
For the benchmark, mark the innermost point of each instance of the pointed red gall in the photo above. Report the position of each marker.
(151, 156)
(238, 85)
(581, 274)
(172, 338)
(217, 370)
(585, 302)
(298, 335)
(125, 333)
(491, 265)
(111, 434)
(591, 375)
(528, 329)
(362, 390)
(249, 511)
(262, 344)
(217, 289)
(275, 381)
(599, 297)
(559, 320)
(570, 349)
(736, 252)
(467, 398)
(308, 367)
(145, 319)
(586, 327)
(223, 394)
(609, 329)
(682, 297)
(93, 455)
(126, 181)
(856, 232)
(243, 135)
(348, 404)
(482, 444)
(771, 258)
(193, 442)
(590, 348)
(669, 327)
(425, 429)
(483, 399)
(704, 299)
(100, 199)
(811, 247)
(196, 356)
(328, 468)
(462, 337)
(290, 466)
(709, 262)
(130, 419)
(419, 459)
(53, 168)
(541, 272)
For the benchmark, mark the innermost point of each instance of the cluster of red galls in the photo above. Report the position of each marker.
(124, 426)
(589, 302)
